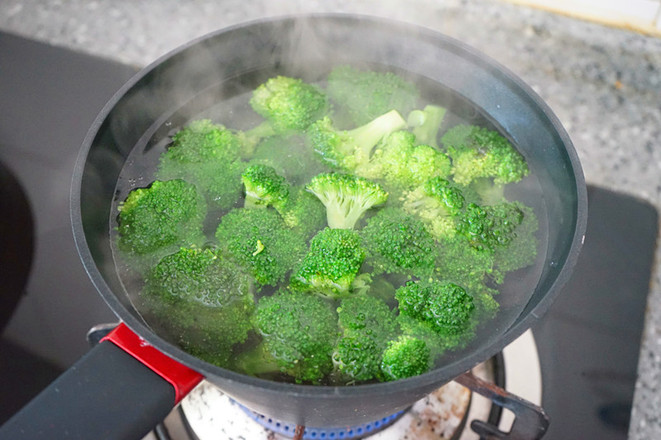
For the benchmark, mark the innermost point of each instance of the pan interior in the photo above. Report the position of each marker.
(226, 102)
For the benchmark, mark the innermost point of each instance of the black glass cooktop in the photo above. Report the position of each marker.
(588, 343)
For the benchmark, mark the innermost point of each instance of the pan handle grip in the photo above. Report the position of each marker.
(530, 423)
(107, 394)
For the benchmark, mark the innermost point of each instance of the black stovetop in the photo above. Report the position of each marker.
(589, 342)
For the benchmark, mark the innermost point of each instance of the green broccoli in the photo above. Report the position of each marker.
(199, 142)
(299, 209)
(260, 241)
(404, 357)
(522, 249)
(363, 95)
(207, 155)
(426, 123)
(348, 294)
(422, 330)
(298, 332)
(446, 306)
(303, 212)
(221, 184)
(490, 227)
(479, 152)
(289, 104)
(397, 242)
(486, 306)
(291, 157)
(351, 149)
(437, 203)
(160, 218)
(483, 191)
(357, 359)
(204, 301)
(448, 195)
(264, 187)
(367, 326)
(463, 264)
(439, 343)
(346, 197)
(405, 164)
(332, 263)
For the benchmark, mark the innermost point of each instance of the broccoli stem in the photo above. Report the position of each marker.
(426, 123)
(490, 193)
(368, 135)
(253, 202)
(265, 129)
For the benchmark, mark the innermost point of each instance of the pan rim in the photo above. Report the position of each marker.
(433, 377)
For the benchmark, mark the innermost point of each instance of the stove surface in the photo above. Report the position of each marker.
(588, 343)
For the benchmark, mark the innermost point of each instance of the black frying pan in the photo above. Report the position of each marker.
(110, 394)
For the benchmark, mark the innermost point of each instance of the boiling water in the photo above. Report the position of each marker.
(228, 104)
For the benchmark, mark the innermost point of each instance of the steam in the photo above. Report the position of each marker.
(306, 47)
(201, 78)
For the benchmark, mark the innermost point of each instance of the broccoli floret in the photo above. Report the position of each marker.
(407, 165)
(461, 263)
(299, 209)
(479, 152)
(199, 142)
(289, 104)
(332, 263)
(366, 313)
(367, 325)
(397, 242)
(490, 227)
(351, 149)
(264, 187)
(424, 331)
(486, 306)
(304, 212)
(357, 359)
(405, 357)
(199, 275)
(221, 184)
(522, 249)
(261, 242)
(483, 191)
(437, 203)
(425, 124)
(298, 332)
(160, 218)
(364, 95)
(207, 155)
(346, 197)
(204, 301)
(446, 306)
(291, 157)
(448, 195)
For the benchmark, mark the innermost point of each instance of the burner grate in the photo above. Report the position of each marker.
(310, 433)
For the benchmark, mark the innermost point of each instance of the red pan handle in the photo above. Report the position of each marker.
(119, 390)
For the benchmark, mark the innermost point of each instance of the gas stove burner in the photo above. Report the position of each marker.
(445, 414)
(310, 433)
(210, 414)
